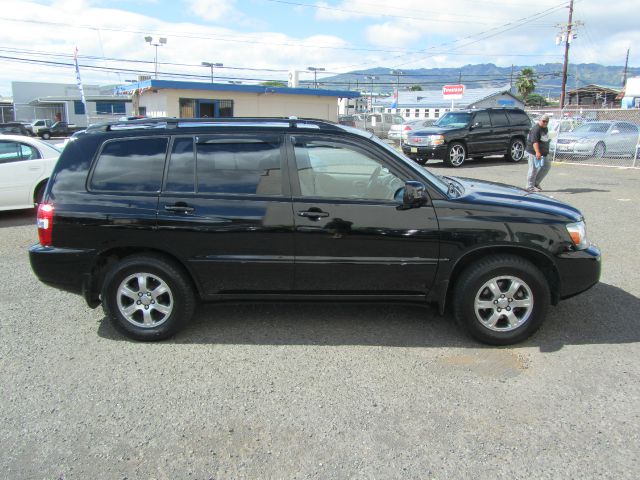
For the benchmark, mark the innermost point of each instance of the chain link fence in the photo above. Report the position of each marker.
(603, 137)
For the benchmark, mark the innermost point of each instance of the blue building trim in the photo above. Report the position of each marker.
(223, 87)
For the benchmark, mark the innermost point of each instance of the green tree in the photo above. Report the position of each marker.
(273, 83)
(526, 82)
(416, 88)
(536, 100)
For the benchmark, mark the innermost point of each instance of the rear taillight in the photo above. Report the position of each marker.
(407, 127)
(45, 224)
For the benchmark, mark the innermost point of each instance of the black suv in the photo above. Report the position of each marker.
(461, 134)
(149, 216)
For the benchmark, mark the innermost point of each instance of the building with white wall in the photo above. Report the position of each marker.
(33, 100)
(431, 104)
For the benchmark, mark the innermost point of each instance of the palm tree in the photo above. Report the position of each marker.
(526, 82)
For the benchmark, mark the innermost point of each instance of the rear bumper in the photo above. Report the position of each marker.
(579, 271)
(436, 152)
(63, 268)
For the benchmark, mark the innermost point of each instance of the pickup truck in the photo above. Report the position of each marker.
(58, 129)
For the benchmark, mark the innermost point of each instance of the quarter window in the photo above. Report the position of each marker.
(239, 166)
(131, 165)
(182, 166)
(499, 119)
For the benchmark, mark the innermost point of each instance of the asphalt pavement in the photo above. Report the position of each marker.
(329, 390)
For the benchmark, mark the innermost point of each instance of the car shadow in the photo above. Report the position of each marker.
(473, 163)
(17, 218)
(603, 315)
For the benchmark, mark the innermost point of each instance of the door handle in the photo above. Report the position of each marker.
(313, 214)
(179, 208)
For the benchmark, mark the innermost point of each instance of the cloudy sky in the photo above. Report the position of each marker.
(263, 39)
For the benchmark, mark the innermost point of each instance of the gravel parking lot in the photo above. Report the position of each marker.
(312, 390)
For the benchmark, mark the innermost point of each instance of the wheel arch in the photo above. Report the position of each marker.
(41, 184)
(537, 258)
(107, 258)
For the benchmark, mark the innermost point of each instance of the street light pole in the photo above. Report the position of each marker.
(156, 42)
(372, 78)
(211, 65)
(315, 71)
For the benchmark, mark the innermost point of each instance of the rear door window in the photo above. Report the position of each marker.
(130, 165)
(499, 119)
(483, 119)
(239, 165)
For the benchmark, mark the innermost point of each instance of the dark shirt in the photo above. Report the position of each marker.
(541, 135)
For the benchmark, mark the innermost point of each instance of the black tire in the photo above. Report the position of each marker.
(165, 312)
(39, 193)
(516, 150)
(420, 160)
(46, 136)
(599, 150)
(492, 308)
(456, 154)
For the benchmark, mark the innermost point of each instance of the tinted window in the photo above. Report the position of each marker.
(182, 166)
(133, 165)
(482, 118)
(519, 118)
(627, 128)
(499, 119)
(331, 169)
(15, 151)
(241, 166)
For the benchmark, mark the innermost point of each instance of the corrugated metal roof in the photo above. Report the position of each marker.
(433, 98)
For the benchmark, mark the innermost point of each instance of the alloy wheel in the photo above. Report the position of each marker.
(145, 300)
(503, 303)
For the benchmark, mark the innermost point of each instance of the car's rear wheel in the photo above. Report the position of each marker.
(147, 297)
(456, 154)
(516, 150)
(46, 136)
(501, 300)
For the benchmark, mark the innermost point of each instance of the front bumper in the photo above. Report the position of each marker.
(428, 152)
(579, 270)
(573, 148)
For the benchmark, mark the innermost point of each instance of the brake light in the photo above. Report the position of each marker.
(45, 224)
(407, 127)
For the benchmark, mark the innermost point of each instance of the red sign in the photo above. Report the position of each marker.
(453, 91)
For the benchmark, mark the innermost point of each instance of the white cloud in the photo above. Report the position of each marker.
(213, 10)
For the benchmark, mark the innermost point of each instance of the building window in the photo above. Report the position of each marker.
(407, 112)
(78, 107)
(436, 113)
(108, 108)
(187, 108)
(417, 113)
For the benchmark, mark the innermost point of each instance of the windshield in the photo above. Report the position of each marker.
(592, 127)
(435, 180)
(454, 119)
(398, 120)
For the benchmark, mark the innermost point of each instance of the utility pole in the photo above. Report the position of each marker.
(626, 64)
(511, 80)
(566, 36)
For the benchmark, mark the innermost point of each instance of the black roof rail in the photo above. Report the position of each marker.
(173, 122)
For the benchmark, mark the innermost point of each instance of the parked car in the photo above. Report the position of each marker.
(297, 209)
(461, 134)
(400, 131)
(348, 120)
(377, 123)
(59, 129)
(13, 128)
(557, 126)
(25, 167)
(36, 125)
(598, 139)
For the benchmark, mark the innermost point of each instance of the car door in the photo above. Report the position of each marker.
(480, 138)
(350, 235)
(21, 166)
(623, 138)
(226, 212)
(501, 131)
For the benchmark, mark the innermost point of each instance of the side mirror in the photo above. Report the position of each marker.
(414, 195)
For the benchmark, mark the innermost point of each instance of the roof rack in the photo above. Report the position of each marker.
(173, 123)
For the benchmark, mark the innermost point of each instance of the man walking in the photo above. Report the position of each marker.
(537, 151)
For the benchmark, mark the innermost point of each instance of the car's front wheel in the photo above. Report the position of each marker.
(147, 297)
(456, 154)
(516, 150)
(501, 299)
(46, 136)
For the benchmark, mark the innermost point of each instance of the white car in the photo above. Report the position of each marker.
(25, 167)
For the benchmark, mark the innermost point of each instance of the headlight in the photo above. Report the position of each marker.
(435, 139)
(578, 233)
